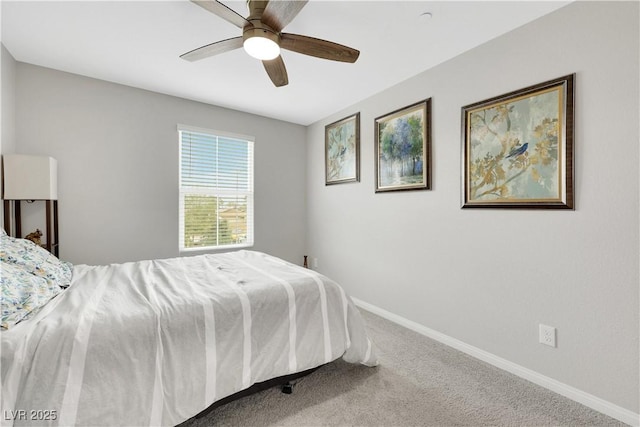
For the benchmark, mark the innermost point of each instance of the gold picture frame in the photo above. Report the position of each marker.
(517, 148)
(403, 148)
(342, 150)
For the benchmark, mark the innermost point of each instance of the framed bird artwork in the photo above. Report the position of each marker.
(342, 150)
(517, 148)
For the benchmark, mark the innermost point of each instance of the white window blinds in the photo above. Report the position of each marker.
(216, 189)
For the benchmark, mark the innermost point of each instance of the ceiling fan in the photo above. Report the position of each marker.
(262, 36)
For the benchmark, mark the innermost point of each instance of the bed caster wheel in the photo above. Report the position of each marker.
(287, 388)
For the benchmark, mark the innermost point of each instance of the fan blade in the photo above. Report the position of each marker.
(222, 11)
(319, 48)
(213, 49)
(277, 71)
(279, 13)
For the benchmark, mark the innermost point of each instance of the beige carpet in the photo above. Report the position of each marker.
(419, 382)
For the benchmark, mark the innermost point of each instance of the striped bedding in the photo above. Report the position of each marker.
(156, 342)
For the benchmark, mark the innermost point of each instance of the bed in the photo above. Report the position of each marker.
(157, 342)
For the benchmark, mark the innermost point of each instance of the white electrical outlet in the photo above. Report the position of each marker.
(547, 335)
(315, 262)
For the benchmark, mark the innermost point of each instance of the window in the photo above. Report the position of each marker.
(216, 189)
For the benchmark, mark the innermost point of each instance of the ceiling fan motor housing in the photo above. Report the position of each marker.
(260, 41)
(258, 29)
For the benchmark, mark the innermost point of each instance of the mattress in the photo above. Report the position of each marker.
(156, 342)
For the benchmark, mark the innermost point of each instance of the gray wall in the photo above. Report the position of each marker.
(8, 96)
(7, 106)
(489, 277)
(117, 152)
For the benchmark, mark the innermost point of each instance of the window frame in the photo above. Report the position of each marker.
(217, 192)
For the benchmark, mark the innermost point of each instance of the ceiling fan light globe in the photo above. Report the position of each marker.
(261, 48)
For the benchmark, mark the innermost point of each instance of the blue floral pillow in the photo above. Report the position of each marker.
(21, 293)
(35, 260)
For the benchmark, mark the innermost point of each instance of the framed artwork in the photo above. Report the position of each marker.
(342, 150)
(517, 148)
(403, 149)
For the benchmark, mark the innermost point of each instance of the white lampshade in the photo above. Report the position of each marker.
(261, 48)
(29, 177)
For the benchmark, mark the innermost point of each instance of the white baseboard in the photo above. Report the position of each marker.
(589, 400)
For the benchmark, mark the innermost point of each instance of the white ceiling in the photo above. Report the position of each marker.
(138, 43)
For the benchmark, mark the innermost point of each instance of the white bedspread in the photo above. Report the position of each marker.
(156, 342)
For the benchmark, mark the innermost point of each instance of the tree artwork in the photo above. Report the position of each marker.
(401, 139)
